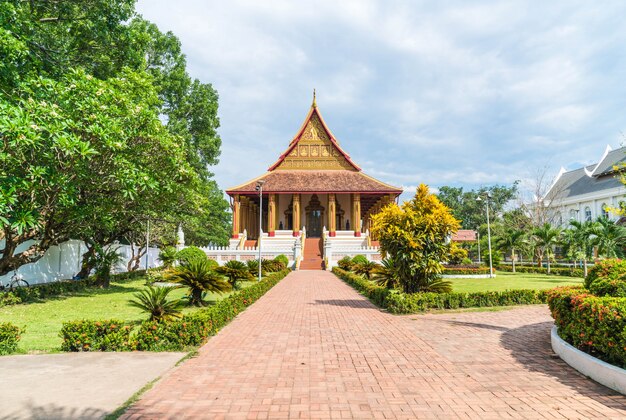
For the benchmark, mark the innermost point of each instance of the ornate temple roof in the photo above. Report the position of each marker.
(314, 162)
(316, 181)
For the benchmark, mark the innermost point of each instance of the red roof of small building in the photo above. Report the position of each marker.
(464, 235)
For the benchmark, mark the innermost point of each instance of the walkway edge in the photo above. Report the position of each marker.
(606, 374)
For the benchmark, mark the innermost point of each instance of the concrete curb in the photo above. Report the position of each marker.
(608, 375)
(466, 276)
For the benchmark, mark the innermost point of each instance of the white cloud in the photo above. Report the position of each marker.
(441, 93)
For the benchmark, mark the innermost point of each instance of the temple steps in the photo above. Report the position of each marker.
(312, 256)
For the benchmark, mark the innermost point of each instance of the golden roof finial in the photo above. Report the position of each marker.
(314, 105)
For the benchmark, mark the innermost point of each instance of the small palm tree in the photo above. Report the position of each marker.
(547, 237)
(582, 240)
(235, 271)
(168, 256)
(105, 259)
(365, 268)
(512, 239)
(386, 274)
(200, 278)
(153, 300)
(610, 237)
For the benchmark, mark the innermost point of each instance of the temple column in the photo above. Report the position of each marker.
(236, 210)
(245, 214)
(332, 218)
(271, 215)
(356, 213)
(296, 215)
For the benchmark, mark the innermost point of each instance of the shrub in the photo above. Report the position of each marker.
(197, 274)
(235, 271)
(572, 272)
(153, 300)
(194, 329)
(607, 278)
(282, 258)
(253, 268)
(186, 255)
(596, 325)
(457, 254)
(272, 266)
(105, 259)
(9, 298)
(167, 256)
(462, 269)
(407, 303)
(466, 261)
(386, 274)
(359, 259)
(87, 335)
(345, 263)
(9, 337)
(365, 269)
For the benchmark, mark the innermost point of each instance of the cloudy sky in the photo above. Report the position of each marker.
(446, 93)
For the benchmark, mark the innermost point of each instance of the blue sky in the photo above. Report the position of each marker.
(446, 93)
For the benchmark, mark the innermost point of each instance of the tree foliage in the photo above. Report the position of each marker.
(468, 211)
(102, 131)
(416, 236)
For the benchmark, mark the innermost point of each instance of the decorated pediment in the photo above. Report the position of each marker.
(314, 148)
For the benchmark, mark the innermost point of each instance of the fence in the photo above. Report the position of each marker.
(63, 262)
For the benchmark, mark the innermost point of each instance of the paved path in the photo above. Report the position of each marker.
(314, 348)
(75, 385)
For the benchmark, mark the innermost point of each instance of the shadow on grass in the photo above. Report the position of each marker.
(530, 346)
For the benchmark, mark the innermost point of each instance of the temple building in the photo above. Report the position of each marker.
(313, 187)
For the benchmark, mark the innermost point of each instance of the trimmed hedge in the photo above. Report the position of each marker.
(86, 335)
(607, 278)
(556, 271)
(41, 291)
(459, 270)
(191, 330)
(404, 303)
(10, 335)
(596, 325)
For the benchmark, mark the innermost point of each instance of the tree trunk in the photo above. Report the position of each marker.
(585, 266)
(87, 262)
(513, 258)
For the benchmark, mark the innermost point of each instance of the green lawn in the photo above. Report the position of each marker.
(43, 320)
(509, 281)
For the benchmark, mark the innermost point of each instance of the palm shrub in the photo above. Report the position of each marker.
(282, 258)
(610, 238)
(365, 269)
(386, 274)
(272, 266)
(199, 277)
(167, 256)
(153, 300)
(512, 239)
(235, 271)
(105, 259)
(253, 267)
(185, 255)
(359, 259)
(345, 263)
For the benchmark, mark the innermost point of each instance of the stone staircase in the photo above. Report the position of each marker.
(312, 257)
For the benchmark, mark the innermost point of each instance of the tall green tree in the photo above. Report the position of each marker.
(470, 212)
(84, 89)
(580, 239)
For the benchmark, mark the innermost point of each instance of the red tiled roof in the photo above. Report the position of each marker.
(464, 236)
(316, 181)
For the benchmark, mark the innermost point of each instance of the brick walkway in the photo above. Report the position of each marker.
(314, 348)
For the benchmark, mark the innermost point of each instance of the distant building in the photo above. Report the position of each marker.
(588, 192)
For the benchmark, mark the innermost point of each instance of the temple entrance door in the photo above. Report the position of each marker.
(314, 217)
